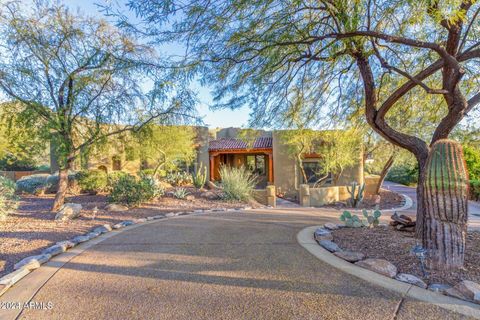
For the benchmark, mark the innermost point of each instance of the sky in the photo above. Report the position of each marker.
(213, 119)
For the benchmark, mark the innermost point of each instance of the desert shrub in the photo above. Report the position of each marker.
(237, 183)
(92, 181)
(403, 174)
(180, 193)
(11, 163)
(132, 191)
(114, 177)
(472, 158)
(200, 177)
(8, 198)
(52, 181)
(31, 184)
(178, 179)
(475, 190)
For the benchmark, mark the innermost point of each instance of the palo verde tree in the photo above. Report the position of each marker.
(84, 78)
(264, 53)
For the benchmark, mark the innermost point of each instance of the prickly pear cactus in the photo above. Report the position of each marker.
(372, 220)
(446, 206)
(351, 221)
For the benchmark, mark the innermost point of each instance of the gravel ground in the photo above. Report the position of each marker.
(388, 200)
(395, 246)
(33, 228)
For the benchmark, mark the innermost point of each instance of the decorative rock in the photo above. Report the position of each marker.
(381, 266)
(329, 245)
(198, 211)
(68, 211)
(127, 223)
(32, 262)
(80, 239)
(247, 208)
(54, 250)
(219, 209)
(350, 256)
(150, 218)
(103, 229)
(118, 226)
(190, 197)
(454, 293)
(322, 234)
(67, 244)
(140, 220)
(160, 216)
(439, 287)
(116, 207)
(13, 277)
(330, 226)
(170, 214)
(93, 234)
(469, 289)
(410, 278)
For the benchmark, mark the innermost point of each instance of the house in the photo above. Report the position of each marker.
(264, 153)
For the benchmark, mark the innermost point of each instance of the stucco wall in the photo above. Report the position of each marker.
(287, 176)
(284, 167)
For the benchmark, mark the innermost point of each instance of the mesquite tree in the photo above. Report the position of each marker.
(269, 53)
(84, 78)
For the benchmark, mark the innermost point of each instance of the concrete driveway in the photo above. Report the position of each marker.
(245, 265)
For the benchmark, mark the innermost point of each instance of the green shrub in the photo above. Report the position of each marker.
(114, 177)
(31, 184)
(131, 191)
(180, 178)
(93, 181)
(237, 183)
(8, 199)
(475, 190)
(403, 174)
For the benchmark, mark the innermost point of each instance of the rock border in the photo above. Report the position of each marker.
(62, 248)
(306, 239)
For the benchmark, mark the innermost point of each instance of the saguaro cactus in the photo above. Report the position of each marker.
(446, 203)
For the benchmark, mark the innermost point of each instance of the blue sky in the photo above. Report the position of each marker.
(217, 118)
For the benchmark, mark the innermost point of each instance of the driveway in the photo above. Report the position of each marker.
(473, 206)
(245, 265)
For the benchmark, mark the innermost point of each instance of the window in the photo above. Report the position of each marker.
(256, 164)
(116, 163)
(313, 171)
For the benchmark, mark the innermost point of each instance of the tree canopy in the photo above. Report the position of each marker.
(85, 79)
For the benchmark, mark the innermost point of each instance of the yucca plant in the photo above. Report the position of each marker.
(237, 183)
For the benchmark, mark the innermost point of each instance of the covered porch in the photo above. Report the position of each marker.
(257, 158)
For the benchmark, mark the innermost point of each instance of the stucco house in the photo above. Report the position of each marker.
(266, 155)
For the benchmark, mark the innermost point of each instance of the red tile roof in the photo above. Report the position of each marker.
(237, 144)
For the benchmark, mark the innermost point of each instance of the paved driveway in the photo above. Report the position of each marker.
(244, 265)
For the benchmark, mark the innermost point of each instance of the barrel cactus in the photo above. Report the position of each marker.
(446, 205)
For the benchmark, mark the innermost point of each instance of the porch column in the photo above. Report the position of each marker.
(270, 167)
(212, 167)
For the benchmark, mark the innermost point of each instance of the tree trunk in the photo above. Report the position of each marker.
(302, 169)
(62, 185)
(383, 174)
(445, 201)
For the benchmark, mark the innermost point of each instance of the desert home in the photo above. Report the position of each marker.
(264, 153)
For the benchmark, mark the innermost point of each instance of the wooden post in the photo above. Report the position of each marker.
(212, 167)
(270, 167)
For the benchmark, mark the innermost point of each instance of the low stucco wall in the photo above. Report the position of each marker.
(266, 196)
(317, 197)
(16, 175)
(371, 184)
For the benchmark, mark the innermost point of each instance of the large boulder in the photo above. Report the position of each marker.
(381, 266)
(468, 290)
(439, 287)
(68, 211)
(329, 245)
(411, 279)
(322, 234)
(113, 207)
(350, 256)
(32, 262)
